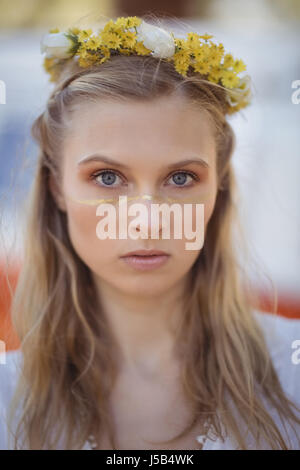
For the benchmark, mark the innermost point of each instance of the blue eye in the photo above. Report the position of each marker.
(111, 179)
(107, 178)
(180, 177)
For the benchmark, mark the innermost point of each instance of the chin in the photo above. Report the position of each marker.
(144, 288)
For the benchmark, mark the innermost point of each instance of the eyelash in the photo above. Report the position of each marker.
(108, 170)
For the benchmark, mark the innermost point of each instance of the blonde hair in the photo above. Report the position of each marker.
(68, 369)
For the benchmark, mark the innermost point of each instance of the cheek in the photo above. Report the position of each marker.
(195, 230)
(82, 223)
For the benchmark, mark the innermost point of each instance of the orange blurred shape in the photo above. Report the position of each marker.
(8, 282)
(287, 305)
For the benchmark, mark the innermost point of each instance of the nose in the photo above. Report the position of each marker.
(147, 222)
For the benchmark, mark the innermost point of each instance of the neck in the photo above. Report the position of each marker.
(145, 327)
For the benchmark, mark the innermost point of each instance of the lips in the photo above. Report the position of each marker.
(145, 253)
(145, 260)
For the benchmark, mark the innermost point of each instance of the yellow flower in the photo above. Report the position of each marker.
(229, 79)
(129, 22)
(203, 51)
(206, 36)
(181, 61)
(181, 67)
(124, 51)
(129, 39)
(83, 62)
(239, 66)
(215, 55)
(234, 109)
(111, 40)
(241, 93)
(126, 35)
(111, 27)
(228, 61)
(202, 66)
(181, 56)
(87, 60)
(49, 65)
(181, 44)
(215, 73)
(121, 22)
(93, 43)
(221, 48)
(82, 50)
(106, 54)
(199, 53)
(74, 30)
(140, 49)
(192, 41)
(84, 34)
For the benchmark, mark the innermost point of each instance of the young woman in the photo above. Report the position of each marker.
(151, 350)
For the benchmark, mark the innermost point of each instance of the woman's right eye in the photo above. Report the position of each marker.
(106, 178)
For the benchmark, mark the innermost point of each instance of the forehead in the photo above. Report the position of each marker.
(163, 125)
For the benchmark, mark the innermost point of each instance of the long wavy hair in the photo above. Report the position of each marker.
(68, 369)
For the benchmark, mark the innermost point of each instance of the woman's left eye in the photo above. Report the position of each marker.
(180, 178)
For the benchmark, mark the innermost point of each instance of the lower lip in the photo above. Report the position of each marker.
(146, 263)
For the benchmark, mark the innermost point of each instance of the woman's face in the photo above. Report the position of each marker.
(145, 143)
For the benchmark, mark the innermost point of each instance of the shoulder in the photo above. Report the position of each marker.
(277, 326)
(10, 363)
(282, 336)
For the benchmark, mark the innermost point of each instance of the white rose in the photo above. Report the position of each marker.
(159, 41)
(236, 95)
(56, 45)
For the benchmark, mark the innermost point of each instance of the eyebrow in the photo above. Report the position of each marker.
(102, 158)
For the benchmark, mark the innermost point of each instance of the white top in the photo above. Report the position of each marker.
(280, 332)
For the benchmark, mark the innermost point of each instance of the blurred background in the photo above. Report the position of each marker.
(264, 33)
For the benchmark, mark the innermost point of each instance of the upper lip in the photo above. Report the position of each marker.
(145, 253)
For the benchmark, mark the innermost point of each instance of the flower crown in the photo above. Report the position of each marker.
(132, 35)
